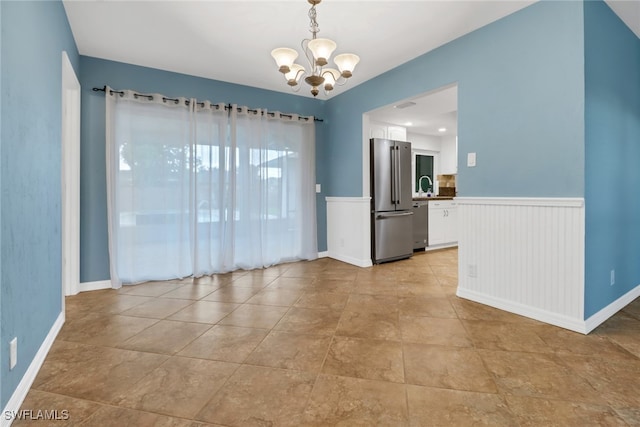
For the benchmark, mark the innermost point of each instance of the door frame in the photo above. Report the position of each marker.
(70, 177)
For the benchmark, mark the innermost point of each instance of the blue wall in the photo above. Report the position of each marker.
(94, 253)
(520, 107)
(612, 141)
(34, 34)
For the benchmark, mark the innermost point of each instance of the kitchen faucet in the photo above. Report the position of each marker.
(420, 183)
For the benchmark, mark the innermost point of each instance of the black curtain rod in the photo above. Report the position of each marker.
(187, 102)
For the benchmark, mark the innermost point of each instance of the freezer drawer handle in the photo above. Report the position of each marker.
(393, 215)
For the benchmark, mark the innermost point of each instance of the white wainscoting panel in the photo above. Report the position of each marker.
(524, 255)
(349, 230)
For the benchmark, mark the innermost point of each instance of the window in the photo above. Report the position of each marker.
(423, 167)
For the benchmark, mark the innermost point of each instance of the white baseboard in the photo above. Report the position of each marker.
(601, 316)
(442, 246)
(94, 286)
(576, 325)
(18, 396)
(323, 254)
(566, 322)
(351, 260)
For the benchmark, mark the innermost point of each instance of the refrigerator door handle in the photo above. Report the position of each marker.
(393, 215)
(393, 176)
(398, 175)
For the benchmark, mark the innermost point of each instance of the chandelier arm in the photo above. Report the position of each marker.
(296, 79)
(341, 81)
(307, 53)
(300, 74)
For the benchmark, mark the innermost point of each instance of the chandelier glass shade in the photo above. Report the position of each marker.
(318, 52)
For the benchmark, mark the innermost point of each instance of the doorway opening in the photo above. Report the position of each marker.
(429, 121)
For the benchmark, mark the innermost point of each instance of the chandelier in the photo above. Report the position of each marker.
(318, 52)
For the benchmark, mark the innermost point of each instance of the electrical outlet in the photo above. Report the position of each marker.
(13, 352)
(613, 277)
(472, 270)
(341, 242)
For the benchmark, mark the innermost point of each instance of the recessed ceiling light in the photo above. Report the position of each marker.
(442, 129)
(408, 124)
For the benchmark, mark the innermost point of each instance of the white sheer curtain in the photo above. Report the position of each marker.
(194, 189)
(274, 193)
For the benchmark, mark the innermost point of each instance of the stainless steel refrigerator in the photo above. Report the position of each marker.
(391, 200)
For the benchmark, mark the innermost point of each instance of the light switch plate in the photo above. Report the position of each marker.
(318, 188)
(471, 159)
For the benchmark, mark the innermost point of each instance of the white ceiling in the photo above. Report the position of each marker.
(232, 40)
(628, 11)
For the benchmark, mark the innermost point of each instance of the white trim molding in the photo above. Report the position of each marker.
(524, 255)
(570, 202)
(545, 316)
(601, 316)
(349, 230)
(351, 260)
(95, 286)
(70, 201)
(442, 246)
(18, 396)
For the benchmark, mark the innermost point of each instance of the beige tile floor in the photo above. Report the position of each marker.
(324, 343)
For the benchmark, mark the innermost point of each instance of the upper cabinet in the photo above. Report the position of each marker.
(382, 130)
(449, 155)
(397, 133)
(377, 131)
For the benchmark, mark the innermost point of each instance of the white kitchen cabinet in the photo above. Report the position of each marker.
(377, 131)
(381, 130)
(443, 222)
(397, 133)
(449, 155)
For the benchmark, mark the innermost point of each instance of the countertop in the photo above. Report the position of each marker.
(422, 199)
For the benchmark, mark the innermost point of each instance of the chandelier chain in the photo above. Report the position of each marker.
(313, 25)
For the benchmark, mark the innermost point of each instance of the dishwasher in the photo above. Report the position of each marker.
(420, 224)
